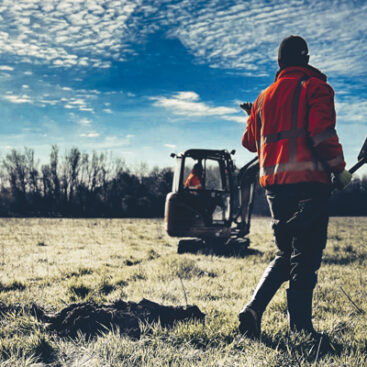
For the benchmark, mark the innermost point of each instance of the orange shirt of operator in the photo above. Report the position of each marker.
(193, 182)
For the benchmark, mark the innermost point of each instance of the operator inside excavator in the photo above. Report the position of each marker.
(197, 198)
(194, 180)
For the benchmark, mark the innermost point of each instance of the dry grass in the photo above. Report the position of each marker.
(55, 262)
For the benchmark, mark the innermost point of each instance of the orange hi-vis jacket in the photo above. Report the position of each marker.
(292, 128)
(193, 182)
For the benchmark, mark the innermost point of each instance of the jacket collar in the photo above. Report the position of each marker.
(309, 70)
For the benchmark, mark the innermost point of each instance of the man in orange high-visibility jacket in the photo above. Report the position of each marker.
(292, 128)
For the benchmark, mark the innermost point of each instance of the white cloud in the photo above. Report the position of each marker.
(107, 110)
(18, 99)
(189, 96)
(77, 102)
(86, 109)
(240, 118)
(351, 111)
(187, 103)
(85, 121)
(80, 103)
(50, 102)
(6, 68)
(91, 134)
(171, 146)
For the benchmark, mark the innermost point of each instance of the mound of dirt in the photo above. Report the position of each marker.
(91, 319)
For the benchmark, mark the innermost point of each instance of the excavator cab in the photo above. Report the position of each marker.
(203, 211)
(209, 204)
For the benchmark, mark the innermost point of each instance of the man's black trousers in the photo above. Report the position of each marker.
(300, 220)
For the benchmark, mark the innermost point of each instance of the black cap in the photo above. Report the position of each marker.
(293, 51)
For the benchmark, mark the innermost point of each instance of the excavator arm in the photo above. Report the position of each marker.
(246, 185)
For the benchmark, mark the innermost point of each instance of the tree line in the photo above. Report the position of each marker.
(79, 184)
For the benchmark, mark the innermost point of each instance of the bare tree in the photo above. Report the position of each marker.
(32, 174)
(54, 172)
(71, 167)
(15, 165)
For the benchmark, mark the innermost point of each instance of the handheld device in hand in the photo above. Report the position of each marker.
(246, 106)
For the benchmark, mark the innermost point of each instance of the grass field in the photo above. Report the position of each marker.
(55, 262)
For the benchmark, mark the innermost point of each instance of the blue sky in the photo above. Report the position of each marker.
(143, 78)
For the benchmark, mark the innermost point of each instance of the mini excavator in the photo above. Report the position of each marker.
(218, 214)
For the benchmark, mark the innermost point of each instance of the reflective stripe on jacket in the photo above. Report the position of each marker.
(292, 128)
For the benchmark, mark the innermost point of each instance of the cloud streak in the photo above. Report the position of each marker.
(82, 100)
(170, 146)
(189, 104)
(18, 99)
(351, 110)
(92, 134)
(6, 68)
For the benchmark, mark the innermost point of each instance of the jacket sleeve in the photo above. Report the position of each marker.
(248, 137)
(321, 125)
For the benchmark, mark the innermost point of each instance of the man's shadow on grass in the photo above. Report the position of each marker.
(239, 248)
(303, 346)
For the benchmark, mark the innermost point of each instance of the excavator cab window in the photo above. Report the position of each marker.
(212, 195)
(190, 182)
(216, 182)
(213, 178)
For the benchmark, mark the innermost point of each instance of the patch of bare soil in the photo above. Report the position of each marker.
(91, 319)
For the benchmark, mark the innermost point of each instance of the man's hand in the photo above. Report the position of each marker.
(342, 179)
(246, 106)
